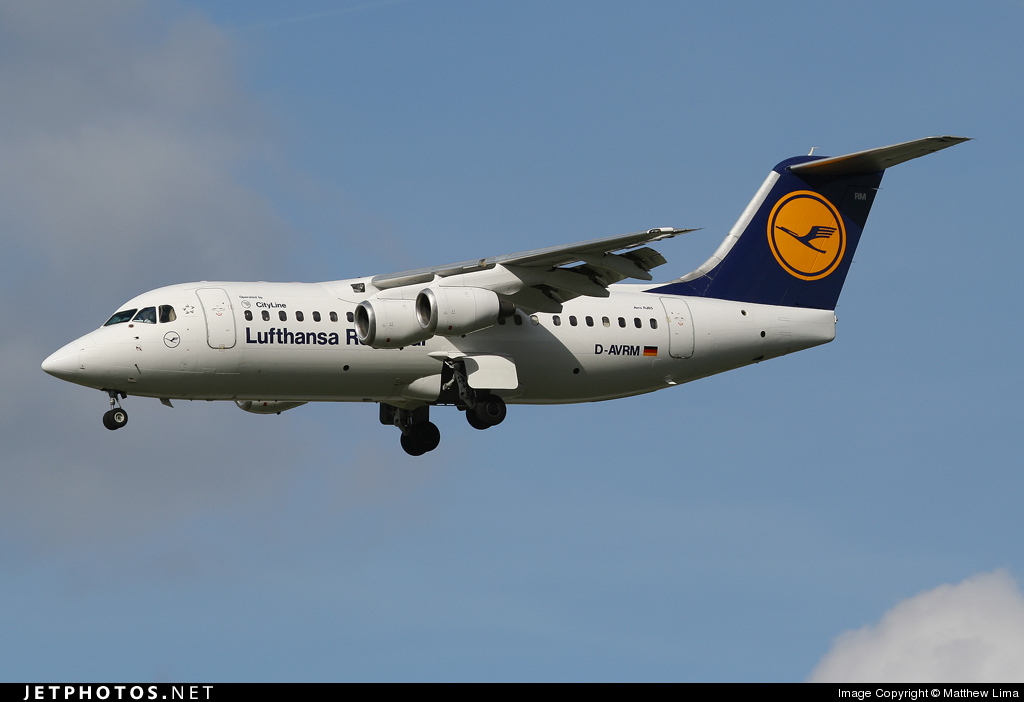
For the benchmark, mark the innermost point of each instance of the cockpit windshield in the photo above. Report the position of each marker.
(122, 316)
(147, 315)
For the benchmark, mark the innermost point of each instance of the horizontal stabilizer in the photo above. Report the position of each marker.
(875, 160)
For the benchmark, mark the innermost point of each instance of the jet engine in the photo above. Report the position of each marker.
(266, 406)
(456, 310)
(388, 324)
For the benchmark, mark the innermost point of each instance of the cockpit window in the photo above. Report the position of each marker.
(122, 316)
(167, 314)
(147, 315)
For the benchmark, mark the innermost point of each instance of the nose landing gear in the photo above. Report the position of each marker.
(115, 417)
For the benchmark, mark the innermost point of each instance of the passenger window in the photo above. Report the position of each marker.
(350, 317)
(572, 321)
(604, 321)
(334, 316)
(299, 316)
(167, 314)
(534, 319)
(637, 323)
(590, 321)
(316, 316)
(622, 322)
(519, 320)
(119, 317)
(654, 323)
(248, 315)
(557, 320)
(266, 316)
(283, 316)
(501, 321)
(147, 315)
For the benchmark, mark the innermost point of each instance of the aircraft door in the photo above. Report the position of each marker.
(220, 318)
(680, 327)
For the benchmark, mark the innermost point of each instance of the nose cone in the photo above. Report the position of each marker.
(64, 363)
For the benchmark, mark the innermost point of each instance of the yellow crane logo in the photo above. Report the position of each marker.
(806, 235)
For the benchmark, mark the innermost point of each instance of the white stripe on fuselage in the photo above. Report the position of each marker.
(323, 361)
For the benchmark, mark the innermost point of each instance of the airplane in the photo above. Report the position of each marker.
(552, 325)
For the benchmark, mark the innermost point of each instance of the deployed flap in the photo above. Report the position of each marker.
(491, 372)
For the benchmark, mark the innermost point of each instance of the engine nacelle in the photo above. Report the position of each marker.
(266, 406)
(388, 324)
(456, 310)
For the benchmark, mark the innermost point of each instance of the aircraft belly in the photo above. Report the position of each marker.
(549, 379)
(329, 373)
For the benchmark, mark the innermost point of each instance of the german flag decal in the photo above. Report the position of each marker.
(650, 350)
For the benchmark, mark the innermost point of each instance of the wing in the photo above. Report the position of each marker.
(542, 279)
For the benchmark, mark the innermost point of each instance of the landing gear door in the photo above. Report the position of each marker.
(680, 327)
(491, 373)
(220, 319)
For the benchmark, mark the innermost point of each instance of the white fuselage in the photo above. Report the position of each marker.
(245, 341)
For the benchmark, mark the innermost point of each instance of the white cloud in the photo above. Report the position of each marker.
(971, 632)
(121, 145)
(125, 136)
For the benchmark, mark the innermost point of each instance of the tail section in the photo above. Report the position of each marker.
(794, 242)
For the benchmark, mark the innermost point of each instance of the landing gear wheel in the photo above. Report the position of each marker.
(490, 410)
(410, 446)
(474, 421)
(421, 438)
(115, 418)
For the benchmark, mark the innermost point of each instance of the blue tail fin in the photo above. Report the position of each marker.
(794, 242)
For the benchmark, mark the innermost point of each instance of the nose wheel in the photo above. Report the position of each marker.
(116, 417)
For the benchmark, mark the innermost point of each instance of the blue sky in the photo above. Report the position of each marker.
(730, 529)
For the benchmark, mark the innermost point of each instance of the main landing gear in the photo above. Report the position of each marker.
(487, 411)
(419, 434)
(115, 417)
(483, 409)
